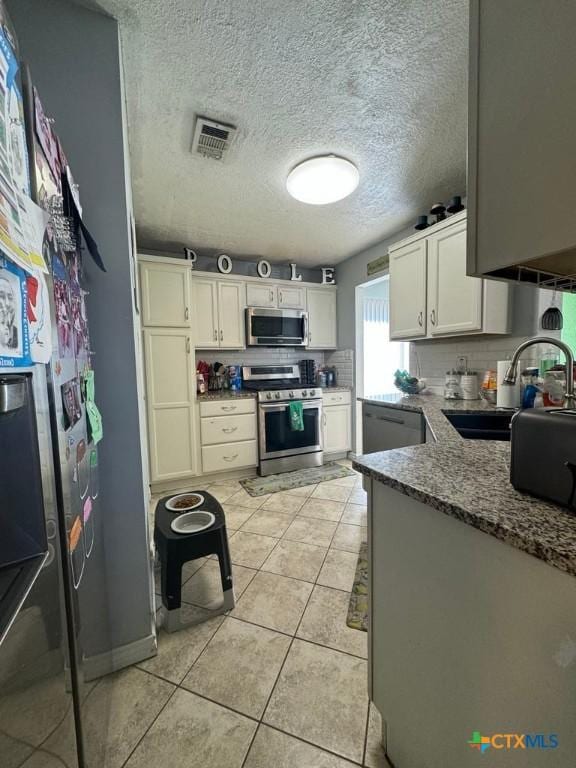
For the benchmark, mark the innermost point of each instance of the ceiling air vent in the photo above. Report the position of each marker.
(212, 139)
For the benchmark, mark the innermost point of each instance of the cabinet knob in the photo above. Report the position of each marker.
(186, 314)
(188, 344)
(221, 335)
(215, 335)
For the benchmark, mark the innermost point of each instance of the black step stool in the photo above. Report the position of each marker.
(175, 549)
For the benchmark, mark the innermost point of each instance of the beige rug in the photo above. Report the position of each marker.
(258, 486)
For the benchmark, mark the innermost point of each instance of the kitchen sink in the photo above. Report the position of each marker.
(493, 425)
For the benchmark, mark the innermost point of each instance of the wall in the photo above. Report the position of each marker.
(351, 273)
(73, 54)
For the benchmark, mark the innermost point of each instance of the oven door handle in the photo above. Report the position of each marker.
(283, 406)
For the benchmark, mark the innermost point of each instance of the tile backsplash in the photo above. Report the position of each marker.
(343, 361)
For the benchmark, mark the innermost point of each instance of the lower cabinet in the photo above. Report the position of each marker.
(228, 435)
(170, 403)
(336, 422)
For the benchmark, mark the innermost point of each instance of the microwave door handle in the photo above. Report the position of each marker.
(305, 328)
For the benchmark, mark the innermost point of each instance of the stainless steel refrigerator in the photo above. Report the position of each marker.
(53, 593)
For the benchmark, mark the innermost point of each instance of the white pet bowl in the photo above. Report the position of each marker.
(192, 522)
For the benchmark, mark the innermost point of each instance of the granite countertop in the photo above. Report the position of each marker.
(469, 480)
(228, 394)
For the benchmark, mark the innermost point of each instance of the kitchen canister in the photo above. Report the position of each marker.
(469, 386)
(507, 395)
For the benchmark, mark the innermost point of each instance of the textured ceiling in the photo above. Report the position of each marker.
(381, 82)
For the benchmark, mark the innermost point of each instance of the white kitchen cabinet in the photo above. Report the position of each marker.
(165, 292)
(454, 299)
(408, 291)
(321, 318)
(231, 305)
(205, 313)
(431, 296)
(228, 434)
(281, 296)
(218, 313)
(170, 395)
(261, 295)
(336, 428)
(291, 297)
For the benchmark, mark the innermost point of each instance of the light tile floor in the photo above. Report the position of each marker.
(280, 680)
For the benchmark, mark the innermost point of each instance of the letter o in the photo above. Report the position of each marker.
(224, 264)
(263, 268)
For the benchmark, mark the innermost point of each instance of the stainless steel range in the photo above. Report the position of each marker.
(280, 448)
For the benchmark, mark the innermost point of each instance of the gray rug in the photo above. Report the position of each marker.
(258, 486)
(358, 606)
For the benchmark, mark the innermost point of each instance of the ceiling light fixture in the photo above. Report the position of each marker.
(322, 180)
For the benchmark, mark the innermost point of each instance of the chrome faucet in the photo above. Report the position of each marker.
(512, 372)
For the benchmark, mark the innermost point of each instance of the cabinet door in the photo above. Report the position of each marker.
(231, 305)
(165, 293)
(336, 428)
(321, 318)
(454, 299)
(261, 295)
(205, 313)
(170, 393)
(291, 297)
(408, 291)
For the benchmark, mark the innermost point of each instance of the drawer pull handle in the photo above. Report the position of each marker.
(229, 429)
(221, 335)
(433, 317)
(420, 319)
(228, 407)
(215, 335)
(230, 458)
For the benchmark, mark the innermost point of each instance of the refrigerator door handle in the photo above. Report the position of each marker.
(12, 394)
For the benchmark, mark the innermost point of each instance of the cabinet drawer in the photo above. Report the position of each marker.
(335, 398)
(227, 429)
(227, 407)
(218, 458)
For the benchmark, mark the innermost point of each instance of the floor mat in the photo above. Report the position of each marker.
(258, 486)
(358, 606)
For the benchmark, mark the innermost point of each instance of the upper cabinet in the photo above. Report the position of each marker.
(431, 294)
(270, 296)
(521, 143)
(321, 318)
(291, 297)
(455, 300)
(218, 313)
(165, 295)
(261, 295)
(231, 305)
(408, 291)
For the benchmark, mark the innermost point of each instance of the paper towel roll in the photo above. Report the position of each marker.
(507, 395)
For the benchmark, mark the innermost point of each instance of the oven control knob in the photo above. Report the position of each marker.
(277, 395)
(304, 393)
(312, 392)
(290, 394)
(268, 396)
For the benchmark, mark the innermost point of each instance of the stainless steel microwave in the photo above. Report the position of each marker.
(276, 327)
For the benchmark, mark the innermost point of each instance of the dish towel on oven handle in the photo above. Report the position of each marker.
(296, 416)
